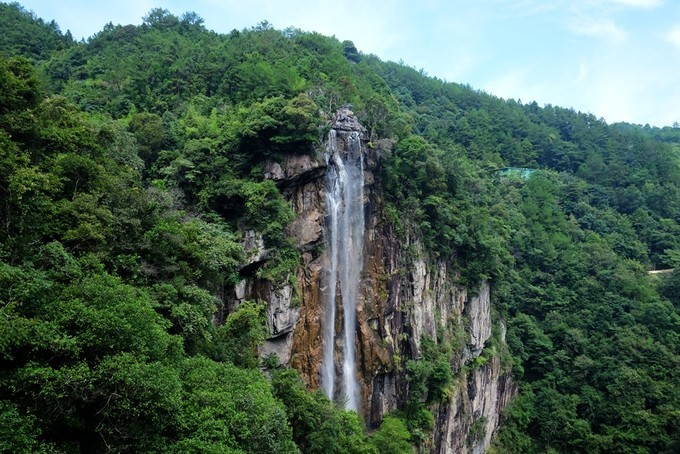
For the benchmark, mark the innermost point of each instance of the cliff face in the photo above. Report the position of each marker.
(403, 295)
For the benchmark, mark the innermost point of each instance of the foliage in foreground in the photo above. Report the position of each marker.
(130, 165)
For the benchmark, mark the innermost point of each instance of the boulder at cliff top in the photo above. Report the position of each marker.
(345, 120)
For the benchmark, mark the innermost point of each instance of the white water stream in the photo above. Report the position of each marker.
(345, 208)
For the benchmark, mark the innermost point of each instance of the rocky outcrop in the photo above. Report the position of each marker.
(479, 315)
(403, 296)
(467, 421)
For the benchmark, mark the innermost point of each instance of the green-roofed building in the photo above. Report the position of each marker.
(515, 173)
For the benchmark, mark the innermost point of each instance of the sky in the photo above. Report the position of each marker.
(616, 59)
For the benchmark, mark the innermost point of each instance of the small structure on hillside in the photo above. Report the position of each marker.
(515, 173)
(669, 270)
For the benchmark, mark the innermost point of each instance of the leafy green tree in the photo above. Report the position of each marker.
(225, 407)
(150, 135)
(20, 96)
(243, 332)
(392, 437)
(318, 425)
(18, 432)
(670, 288)
(25, 34)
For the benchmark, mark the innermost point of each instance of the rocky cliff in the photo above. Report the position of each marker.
(403, 296)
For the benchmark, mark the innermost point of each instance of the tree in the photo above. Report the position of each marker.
(670, 287)
(392, 437)
(150, 135)
(243, 332)
(351, 52)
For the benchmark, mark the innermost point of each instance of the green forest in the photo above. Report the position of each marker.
(131, 163)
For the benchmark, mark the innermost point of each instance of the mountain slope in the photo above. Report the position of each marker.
(132, 172)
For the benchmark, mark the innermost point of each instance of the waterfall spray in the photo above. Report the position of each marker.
(345, 208)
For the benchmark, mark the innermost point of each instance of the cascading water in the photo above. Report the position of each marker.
(345, 207)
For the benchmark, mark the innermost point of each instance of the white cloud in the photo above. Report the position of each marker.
(525, 8)
(640, 3)
(599, 28)
(508, 85)
(674, 36)
(628, 85)
(583, 72)
(520, 84)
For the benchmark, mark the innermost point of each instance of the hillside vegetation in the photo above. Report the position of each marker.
(130, 164)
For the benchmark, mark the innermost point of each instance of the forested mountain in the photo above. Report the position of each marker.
(131, 164)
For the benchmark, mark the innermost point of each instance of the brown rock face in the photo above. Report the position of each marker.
(403, 296)
(478, 401)
(307, 342)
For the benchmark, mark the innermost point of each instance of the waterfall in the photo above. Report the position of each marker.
(345, 208)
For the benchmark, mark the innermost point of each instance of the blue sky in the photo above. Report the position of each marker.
(618, 59)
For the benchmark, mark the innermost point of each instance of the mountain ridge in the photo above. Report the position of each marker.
(135, 164)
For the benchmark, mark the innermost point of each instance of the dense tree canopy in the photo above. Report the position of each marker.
(131, 162)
